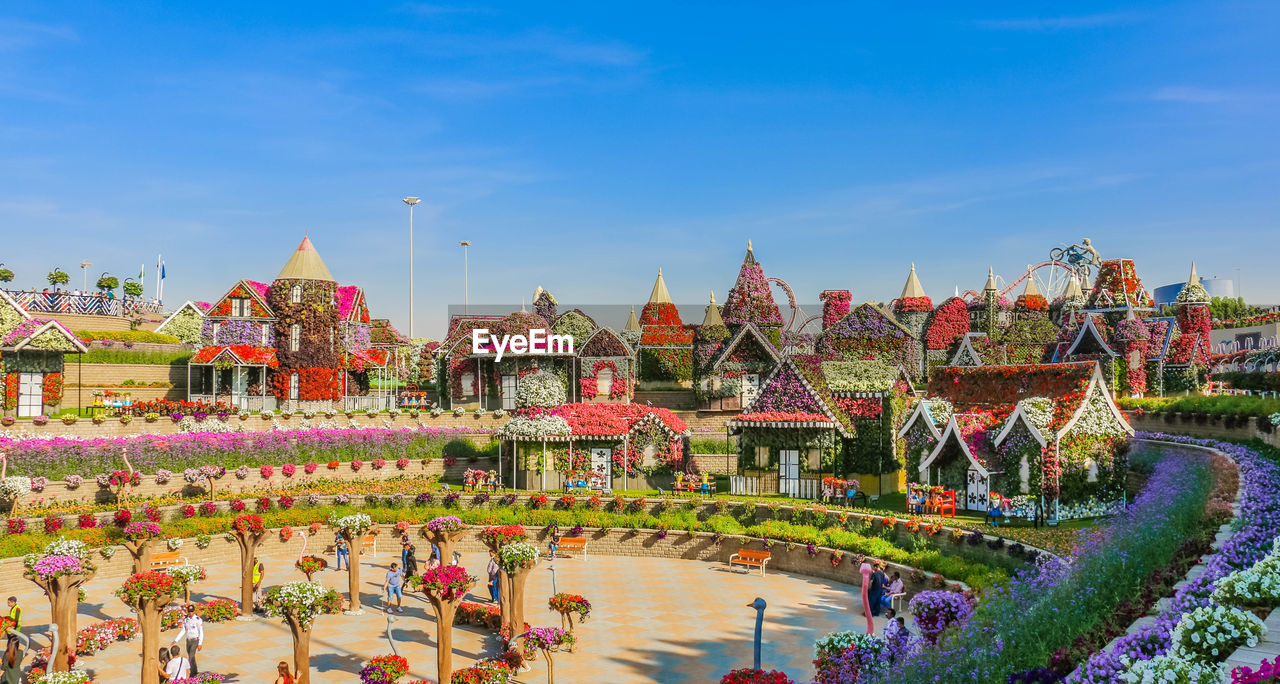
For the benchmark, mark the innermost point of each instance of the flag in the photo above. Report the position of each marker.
(162, 270)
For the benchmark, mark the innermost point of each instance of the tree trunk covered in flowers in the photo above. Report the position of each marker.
(64, 601)
(353, 569)
(141, 551)
(301, 646)
(445, 541)
(149, 610)
(248, 542)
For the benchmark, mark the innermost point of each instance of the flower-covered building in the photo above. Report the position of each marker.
(1021, 431)
(300, 342)
(32, 355)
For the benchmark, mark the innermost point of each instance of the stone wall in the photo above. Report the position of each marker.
(1187, 424)
(115, 373)
(165, 426)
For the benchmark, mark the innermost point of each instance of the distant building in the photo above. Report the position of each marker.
(1215, 286)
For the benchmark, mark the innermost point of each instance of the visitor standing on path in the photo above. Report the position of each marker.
(344, 554)
(15, 613)
(876, 590)
(161, 662)
(16, 646)
(410, 560)
(393, 585)
(178, 667)
(191, 630)
(259, 572)
(285, 677)
(494, 572)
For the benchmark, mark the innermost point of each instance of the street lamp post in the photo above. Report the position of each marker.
(411, 201)
(84, 269)
(466, 300)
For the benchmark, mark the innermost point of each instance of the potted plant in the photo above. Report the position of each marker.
(7, 420)
(69, 419)
(6, 275)
(151, 417)
(126, 419)
(40, 420)
(58, 277)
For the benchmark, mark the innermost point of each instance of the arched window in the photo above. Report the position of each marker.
(293, 386)
(295, 336)
(295, 294)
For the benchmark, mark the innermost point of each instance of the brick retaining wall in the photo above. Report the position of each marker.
(1186, 424)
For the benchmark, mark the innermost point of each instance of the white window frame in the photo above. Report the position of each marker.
(294, 386)
(216, 328)
(264, 334)
(295, 294)
(295, 336)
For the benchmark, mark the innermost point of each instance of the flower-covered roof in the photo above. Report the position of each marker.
(252, 290)
(748, 335)
(750, 300)
(351, 306)
(1193, 292)
(237, 354)
(606, 420)
(869, 332)
(991, 386)
(365, 359)
(861, 377)
(44, 334)
(1118, 285)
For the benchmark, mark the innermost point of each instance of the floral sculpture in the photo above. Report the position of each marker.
(353, 528)
(189, 574)
(148, 593)
(484, 672)
(445, 585)
(137, 541)
(384, 669)
(549, 640)
(747, 675)
(516, 560)
(935, 611)
(444, 531)
(60, 571)
(567, 605)
(310, 565)
(849, 657)
(248, 531)
(204, 474)
(299, 603)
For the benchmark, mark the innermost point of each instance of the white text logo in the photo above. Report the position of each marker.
(537, 342)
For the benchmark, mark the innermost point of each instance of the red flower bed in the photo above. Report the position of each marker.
(910, 304)
(949, 323)
(250, 355)
(782, 417)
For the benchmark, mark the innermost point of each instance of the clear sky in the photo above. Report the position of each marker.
(583, 146)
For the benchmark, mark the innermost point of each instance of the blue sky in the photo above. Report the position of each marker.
(582, 146)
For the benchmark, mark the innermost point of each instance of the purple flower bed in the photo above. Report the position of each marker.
(58, 457)
(1260, 518)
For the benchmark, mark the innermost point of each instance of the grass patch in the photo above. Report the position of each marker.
(149, 358)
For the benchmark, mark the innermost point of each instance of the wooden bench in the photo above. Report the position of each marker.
(751, 558)
(166, 559)
(567, 544)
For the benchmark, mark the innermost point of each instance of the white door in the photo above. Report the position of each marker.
(789, 472)
(604, 382)
(750, 388)
(976, 489)
(600, 468)
(30, 394)
(508, 392)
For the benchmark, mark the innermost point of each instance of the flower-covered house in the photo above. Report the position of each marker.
(301, 342)
(1023, 431)
(592, 441)
(666, 343)
(32, 354)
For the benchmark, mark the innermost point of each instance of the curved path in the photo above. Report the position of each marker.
(653, 620)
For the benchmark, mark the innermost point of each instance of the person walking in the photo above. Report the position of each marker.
(16, 646)
(162, 660)
(192, 630)
(286, 677)
(875, 591)
(393, 585)
(494, 572)
(178, 667)
(344, 553)
(259, 571)
(410, 555)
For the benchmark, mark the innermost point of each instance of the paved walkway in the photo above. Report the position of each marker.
(653, 620)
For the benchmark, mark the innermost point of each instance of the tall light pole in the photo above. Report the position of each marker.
(84, 268)
(411, 201)
(466, 301)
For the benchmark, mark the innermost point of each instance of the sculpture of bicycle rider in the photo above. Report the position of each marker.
(1080, 257)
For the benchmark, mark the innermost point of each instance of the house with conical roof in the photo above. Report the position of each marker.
(666, 343)
(302, 342)
(750, 300)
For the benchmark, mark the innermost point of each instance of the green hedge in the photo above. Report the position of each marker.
(1257, 382)
(128, 336)
(148, 358)
(1217, 405)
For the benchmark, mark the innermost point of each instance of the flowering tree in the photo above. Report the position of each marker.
(248, 531)
(205, 474)
(567, 605)
(444, 532)
(495, 537)
(445, 585)
(516, 560)
(549, 640)
(148, 593)
(353, 528)
(137, 541)
(299, 603)
(60, 571)
(189, 574)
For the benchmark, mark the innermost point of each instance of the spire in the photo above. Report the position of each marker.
(1031, 284)
(1073, 288)
(632, 323)
(305, 264)
(912, 288)
(659, 294)
(522, 309)
(1194, 279)
(537, 292)
(713, 313)
(751, 255)
(991, 280)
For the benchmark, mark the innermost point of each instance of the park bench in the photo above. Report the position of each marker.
(166, 559)
(567, 544)
(369, 545)
(751, 558)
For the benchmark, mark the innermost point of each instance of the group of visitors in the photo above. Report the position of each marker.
(882, 588)
(397, 574)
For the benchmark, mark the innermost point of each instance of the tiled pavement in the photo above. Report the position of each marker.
(652, 620)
